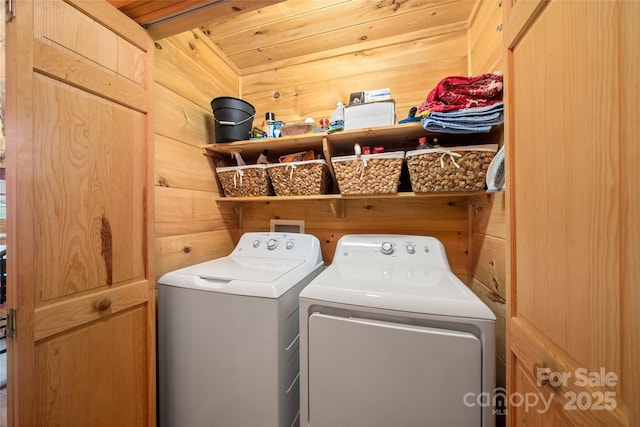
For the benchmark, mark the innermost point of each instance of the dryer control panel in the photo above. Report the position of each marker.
(426, 251)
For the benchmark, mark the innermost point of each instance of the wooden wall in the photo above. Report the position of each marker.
(311, 89)
(189, 226)
(488, 231)
(445, 218)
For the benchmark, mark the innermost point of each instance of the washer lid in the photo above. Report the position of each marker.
(251, 269)
(409, 289)
(249, 276)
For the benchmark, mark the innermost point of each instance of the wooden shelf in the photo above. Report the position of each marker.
(337, 202)
(401, 137)
(396, 137)
(406, 194)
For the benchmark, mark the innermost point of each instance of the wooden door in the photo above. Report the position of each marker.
(574, 210)
(79, 162)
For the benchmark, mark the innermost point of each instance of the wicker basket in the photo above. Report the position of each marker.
(304, 178)
(450, 168)
(244, 181)
(369, 174)
(296, 129)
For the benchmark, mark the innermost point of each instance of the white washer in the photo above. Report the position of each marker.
(389, 336)
(228, 347)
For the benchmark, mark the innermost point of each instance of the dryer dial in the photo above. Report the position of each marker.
(272, 244)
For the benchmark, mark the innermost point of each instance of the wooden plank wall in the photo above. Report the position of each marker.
(445, 218)
(189, 226)
(311, 89)
(488, 232)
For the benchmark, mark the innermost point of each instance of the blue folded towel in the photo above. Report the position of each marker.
(465, 121)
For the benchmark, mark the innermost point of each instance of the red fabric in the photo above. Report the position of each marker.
(455, 93)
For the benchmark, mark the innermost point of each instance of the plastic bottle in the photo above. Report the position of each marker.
(336, 122)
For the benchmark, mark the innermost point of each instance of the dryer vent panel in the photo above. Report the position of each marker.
(287, 225)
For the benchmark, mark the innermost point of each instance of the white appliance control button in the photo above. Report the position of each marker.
(386, 248)
(272, 244)
(289, 245)
(256, 243)
(411, 249)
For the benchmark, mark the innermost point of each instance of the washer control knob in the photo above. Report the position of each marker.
(411, 249)
(289, 245)
(256, 243)
(386, 248)
(272, 244)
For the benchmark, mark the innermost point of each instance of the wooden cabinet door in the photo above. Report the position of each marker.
(79, 156)
(573, 206)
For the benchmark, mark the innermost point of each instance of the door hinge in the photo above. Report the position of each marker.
(11, 323)
(10, 9)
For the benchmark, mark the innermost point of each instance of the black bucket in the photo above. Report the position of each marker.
(233, 118)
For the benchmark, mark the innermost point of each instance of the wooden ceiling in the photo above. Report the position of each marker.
(257, 35)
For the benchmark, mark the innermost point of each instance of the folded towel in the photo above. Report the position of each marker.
(471, 120)
(457, 92)
(498, 107)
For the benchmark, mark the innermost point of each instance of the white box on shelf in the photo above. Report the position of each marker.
(371, 114)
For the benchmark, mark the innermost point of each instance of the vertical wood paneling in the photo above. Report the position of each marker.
(630, 199)
(488, 238)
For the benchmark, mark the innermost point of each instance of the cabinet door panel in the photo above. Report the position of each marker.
(105, 359)
(567, 215)
(91, 186)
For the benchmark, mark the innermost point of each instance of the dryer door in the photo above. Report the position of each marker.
(379, 374)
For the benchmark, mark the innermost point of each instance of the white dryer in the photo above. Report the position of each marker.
(389, 336)
(228, 344)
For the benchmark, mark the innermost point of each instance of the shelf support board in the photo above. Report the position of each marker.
(338, 207)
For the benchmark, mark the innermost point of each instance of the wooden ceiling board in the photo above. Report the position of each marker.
(355, 18)
(258, 34)
(294, 43)
(278, 12)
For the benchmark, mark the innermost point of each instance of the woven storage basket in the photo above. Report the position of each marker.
(306, 178)
(244, 181)
(450, 168)
(369, 174)
(296, 129)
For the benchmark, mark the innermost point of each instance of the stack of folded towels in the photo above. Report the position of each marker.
(464, 105)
